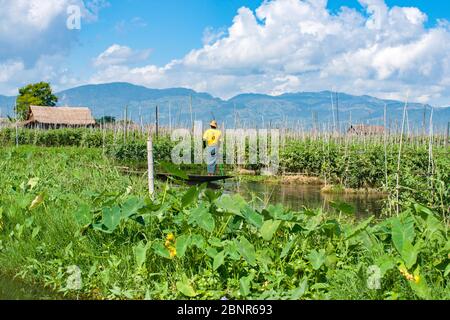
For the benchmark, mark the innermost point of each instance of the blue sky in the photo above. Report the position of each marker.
(173, 27)
(385, 48)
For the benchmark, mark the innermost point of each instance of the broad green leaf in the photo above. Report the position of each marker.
(83, 216)
(359, 228)
(161, 250)
(317, 258)
(409, 254)
(253, 217)
(287, 248)
(173, 170)
(132, 206)
(219, 259)
(140, 254)
(231, 204)
(182, 244)
(189, 196)
(185, 287)
(269, 228)
(343, 207)
(245, 285)
(111, 218)
(203, 218)
(247, 250)
(300, 291)
(402, 232)
(420, 286)
(198, 241)
(278, 212)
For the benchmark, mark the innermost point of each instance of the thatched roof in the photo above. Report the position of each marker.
(60, 116)
(366, 129)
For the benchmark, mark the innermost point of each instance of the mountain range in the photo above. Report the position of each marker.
(306, 109)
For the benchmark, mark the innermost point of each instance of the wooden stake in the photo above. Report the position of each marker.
(151, 182)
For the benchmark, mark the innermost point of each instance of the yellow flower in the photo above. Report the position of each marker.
(170, 237)
(172, 252)
(167, 244)
(417, 278)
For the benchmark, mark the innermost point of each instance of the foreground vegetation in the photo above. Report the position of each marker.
(65, 207)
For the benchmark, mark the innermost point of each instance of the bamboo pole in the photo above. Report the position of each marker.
(399, 156)
(151, 182)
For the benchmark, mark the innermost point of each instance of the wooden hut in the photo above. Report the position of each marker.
(365, 130)
(57, 117)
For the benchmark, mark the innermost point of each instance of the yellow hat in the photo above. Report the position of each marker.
(213, 123)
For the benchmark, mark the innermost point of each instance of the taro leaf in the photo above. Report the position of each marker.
(232, 251)
(247, 250)
(198, 241)
(253, 217)
(83, 216)
(359, 228)
(215, 242)
(317, 258)
(132, 206)
(182, 244)
(402, 232)
(211, 195)
(332, 227)
(278, 212)
(287, 248)
(161, 250)
(385, 263)
(343, 207)
(185, 287)
(419, 285)
(409, 253)
(245, 285)
(219, 259)
(111, 218)
(269, 228)
(300, 291)
(232, 204)
(203, 218)
(140, 254)
(189, 196)
(173, 170)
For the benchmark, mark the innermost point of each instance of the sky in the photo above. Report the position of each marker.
(395, 49)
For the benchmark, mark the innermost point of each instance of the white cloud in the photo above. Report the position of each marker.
(118, 55)
(34, 40)
(298, 45)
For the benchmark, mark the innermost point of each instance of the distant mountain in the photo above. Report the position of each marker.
(250, 110)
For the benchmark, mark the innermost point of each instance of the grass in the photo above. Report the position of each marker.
(61, 207)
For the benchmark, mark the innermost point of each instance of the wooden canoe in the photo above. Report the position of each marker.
(195, 178)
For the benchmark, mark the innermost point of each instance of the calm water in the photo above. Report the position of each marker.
(298, 196)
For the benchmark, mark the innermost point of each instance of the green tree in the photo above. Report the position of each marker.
(38, 94)
(106, 119)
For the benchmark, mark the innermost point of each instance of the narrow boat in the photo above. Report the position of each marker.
(195, 178)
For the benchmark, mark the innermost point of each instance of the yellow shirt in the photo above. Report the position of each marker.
(212, 137)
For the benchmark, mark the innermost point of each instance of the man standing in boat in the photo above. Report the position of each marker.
(211, 141)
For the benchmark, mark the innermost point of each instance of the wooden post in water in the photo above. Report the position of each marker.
(151, 182)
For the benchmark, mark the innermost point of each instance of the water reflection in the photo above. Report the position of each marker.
(296, 197)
